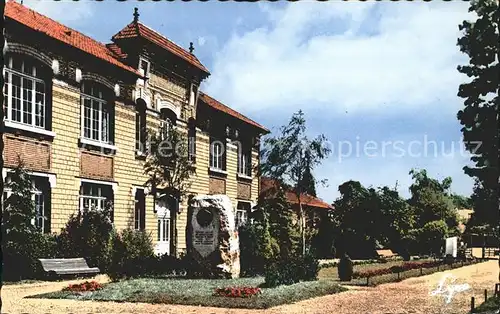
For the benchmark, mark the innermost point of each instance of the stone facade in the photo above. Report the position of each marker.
(59, 153)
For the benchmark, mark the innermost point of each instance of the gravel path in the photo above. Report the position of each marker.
(408, 296)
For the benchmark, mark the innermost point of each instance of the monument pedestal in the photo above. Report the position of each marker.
(212, 236)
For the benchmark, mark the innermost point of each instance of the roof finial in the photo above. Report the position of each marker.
(191, 48)
(136, 15)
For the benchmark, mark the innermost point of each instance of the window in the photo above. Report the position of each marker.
(144, 67)
(41, 200)
(140, 210)
(25, 92)
(217, 155)
(244, 160)
(94, 196)
(192, 143)
(163, 230)
(140, 128)
(96, 113)
(242, 211)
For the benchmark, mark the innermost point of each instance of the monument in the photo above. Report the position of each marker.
(212, 236)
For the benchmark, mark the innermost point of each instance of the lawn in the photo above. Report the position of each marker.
(332, 273)
(489, 306)
(201, 292)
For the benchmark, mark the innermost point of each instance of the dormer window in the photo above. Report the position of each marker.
(144, 66)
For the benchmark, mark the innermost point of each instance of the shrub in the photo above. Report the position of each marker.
(88, 234)
(292, 270)
(21, 257)
(23, 243)
(132, 255)
(237, 292)
(345, 268)
(257, 247)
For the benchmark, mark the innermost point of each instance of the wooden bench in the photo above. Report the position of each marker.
(67, 266)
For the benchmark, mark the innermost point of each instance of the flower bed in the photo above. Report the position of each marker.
(237, 292)
(396, 269)
(84, 287)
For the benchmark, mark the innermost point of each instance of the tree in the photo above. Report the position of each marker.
(23, 244)
(480, 116)
(461, 202)
(278, 211)
(290, 155)
(357, 237)
(431, 200)
(19, 207)
(168, 164)
(308, 179)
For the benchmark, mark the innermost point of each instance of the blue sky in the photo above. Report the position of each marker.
(380, 75)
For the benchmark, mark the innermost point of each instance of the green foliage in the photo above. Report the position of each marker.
(345, 268)
(433, 235)
(480, 116)
(290, 158)
(23, 245)
(292, 270)
(257, 247)
(168, 162)
(281, 223)
(131, 255)
(19, 208)
(461, 202)
(322, 243)
(357, 237)
(88, 234)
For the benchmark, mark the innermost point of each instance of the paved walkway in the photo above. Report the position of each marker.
(409, 296)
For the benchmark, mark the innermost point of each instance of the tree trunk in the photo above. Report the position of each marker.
(302, 228)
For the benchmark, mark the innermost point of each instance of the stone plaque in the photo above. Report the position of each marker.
(205, 230)
(212, 237)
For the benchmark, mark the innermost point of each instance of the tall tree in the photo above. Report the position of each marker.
(308, 179)
(288, 156)
(168, 165)
(480, 116)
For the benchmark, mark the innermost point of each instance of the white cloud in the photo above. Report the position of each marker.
(201, 41)
(65, 11)
(300, 61)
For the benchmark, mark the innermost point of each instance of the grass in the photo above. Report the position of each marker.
(332, 273)
(199, 292)
(489, 306)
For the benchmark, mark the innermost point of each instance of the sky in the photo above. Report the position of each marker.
(378, 79)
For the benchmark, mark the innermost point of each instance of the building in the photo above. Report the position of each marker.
(314, 207)
(77, 114)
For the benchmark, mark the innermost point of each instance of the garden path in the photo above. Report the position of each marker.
(409, 296)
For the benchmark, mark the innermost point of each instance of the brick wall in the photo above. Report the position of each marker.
(35, 154)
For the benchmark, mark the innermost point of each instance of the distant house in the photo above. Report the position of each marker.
(314, 207)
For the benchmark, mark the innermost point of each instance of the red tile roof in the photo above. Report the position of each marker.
(51, 28)
(268, 185)
(221, 107)
(116, 50)
(138, 29)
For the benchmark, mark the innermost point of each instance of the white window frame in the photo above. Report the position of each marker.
(8, 73)
(241, 215)
(108, 142)
(216, 155)
(244, 163)
(99, 199)
(137, 220)
(163, 230)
